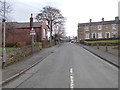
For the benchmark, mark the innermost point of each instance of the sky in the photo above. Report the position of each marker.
(75, 11)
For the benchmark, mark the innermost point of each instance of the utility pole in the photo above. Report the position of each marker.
(3, 49)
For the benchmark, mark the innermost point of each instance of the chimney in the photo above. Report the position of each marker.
(31, 21)
(102, 19)
(116, 19)
(90, 20)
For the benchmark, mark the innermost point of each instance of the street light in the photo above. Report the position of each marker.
(4, 50)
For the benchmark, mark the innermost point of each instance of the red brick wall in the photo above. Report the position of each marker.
(23, 35)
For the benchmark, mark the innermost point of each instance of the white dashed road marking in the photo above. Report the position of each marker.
(71, 79)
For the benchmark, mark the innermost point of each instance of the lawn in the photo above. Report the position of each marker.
(105, 41)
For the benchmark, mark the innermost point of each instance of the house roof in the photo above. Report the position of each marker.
(99, 23)
(25, 24)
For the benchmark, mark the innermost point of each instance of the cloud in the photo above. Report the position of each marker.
(76, 11)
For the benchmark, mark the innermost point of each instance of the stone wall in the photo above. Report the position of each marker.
(46, 44)
(99, 44)
(19, 53)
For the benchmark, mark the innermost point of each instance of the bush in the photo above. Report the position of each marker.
(20, 44)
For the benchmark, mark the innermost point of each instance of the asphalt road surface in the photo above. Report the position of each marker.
(69, 66)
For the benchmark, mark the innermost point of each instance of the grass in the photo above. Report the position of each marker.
(7, 48)
(105, 41)
(10, 48)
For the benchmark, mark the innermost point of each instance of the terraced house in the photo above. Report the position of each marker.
(98, 30)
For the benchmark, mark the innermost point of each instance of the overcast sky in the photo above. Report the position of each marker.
(76, 11)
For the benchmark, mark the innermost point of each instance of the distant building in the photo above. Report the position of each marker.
(98, 30)
(20, 32)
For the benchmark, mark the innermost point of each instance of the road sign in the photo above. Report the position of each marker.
(32, 32)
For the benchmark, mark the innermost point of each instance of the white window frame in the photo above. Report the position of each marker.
(87, 35)
(114, 33)
(99, 27)
(106, 34)
(114, 26)
(93, 33)
(86, 28)
(44, 33)
(100, 35)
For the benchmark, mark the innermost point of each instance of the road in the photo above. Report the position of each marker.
(69, 66)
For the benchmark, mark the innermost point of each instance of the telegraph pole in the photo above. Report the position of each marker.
(4, 50)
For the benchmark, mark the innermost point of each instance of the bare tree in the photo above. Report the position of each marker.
(52, 16)
(60, 32)
(5, 6)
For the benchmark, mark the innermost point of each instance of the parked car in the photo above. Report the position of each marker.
(72, 41)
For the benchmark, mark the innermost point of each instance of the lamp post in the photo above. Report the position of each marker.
(3, 49)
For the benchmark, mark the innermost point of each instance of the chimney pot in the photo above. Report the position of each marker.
(116, 19)
(90, 20)
(31, 21)
(102, 19)
(31, 15)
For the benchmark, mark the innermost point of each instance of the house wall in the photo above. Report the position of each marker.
(94, 29)
(23, 36)
(18, 36)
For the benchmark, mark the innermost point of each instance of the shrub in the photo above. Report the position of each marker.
(20, 44)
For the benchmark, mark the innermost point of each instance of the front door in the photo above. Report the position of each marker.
(93, 35)
(107, 35)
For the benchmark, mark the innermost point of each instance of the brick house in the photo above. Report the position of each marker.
(98, 30)
(19, 32)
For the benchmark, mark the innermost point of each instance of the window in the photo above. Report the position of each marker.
(86, 28)
(99, 27)
(106, 28)
(114, 26)
(44, 33)
(100, 35)
(114, 34)
(93, 35)
(107, 35)
(86, 35)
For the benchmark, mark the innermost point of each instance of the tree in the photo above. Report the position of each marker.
(52, 16)
(7, 8)
(60, 31)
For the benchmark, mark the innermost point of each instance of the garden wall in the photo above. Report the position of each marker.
(19, 53)
(46, 44)
(101, 44)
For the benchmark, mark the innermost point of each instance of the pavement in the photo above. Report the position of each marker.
(110, 49)
(16, 69)
(68, 66)
(111, 58)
